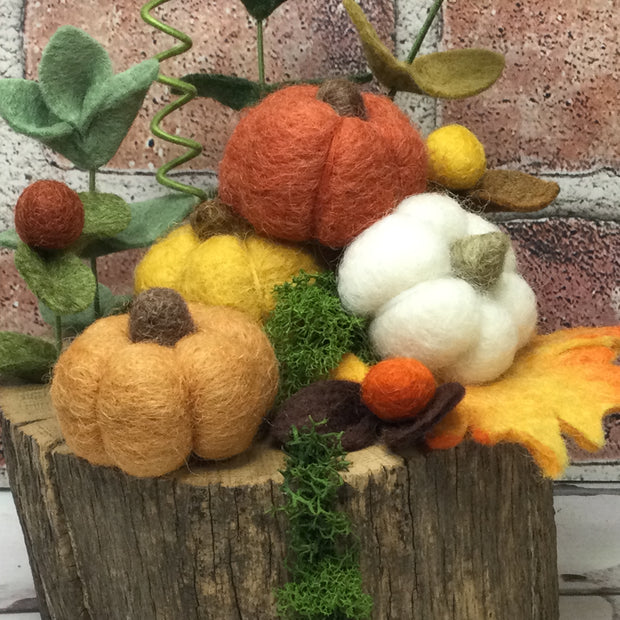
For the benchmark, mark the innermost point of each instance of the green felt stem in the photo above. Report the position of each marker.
(189, 92)
(260, 50)
(417, 44)
(58, 334)
(92, 185)
(97, 299)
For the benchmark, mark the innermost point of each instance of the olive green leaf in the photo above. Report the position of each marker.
(150, 220)
(457, 74)
(392, 73)
(105, 215)
(238, 93)
(25, 357)
(60, 280)
(73, 324)
(234, 92)
(9, 239)
(511, 190)
(261, 9)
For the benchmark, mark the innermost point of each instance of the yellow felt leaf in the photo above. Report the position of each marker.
(391, 72)
(565, 382)
(457, 74)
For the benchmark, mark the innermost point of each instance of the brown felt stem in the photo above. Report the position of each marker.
(160, 315)
(344, 96)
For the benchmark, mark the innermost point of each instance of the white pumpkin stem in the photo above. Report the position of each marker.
(479, 259)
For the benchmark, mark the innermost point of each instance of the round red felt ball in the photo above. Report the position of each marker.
(297, 169)
(49, 215)
(398, 388)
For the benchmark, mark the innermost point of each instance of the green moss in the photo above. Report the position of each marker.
(311, 331)
(325, 579)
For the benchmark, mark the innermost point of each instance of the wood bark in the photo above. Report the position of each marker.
(465, 534)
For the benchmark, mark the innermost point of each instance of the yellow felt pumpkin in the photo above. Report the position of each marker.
(225, 270)
(142, 391)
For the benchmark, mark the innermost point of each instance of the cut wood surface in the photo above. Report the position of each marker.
(466, 534)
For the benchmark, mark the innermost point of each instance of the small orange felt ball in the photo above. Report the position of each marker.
(302, 165)
(398, 388)
(49, 215)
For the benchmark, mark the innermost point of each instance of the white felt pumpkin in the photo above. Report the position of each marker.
(442, 287)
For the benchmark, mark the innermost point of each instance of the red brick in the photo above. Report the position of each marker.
(556, 106)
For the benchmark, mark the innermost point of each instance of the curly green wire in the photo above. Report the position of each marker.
(189, 92)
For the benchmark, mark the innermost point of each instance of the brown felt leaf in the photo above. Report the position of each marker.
(391, 72)
(511, 190)
(457, 74)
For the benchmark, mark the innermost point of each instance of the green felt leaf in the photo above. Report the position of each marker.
(9, 239)
(238, 93)
(150, 220)
(23, 108)
(72, 66)
(60, 280)
(457, 74)
(105, 215)
(233, 92)
(391, 72)
(110, 110)
(73, 324)
(25, 357)
(261, 9)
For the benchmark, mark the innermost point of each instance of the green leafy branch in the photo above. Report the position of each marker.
(79, 107)
(323, 561)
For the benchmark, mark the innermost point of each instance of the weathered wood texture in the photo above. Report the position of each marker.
(466, 534)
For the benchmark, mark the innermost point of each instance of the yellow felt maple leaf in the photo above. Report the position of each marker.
(562, 383)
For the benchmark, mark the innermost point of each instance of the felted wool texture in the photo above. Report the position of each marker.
(142, 410)
(231, 373)
(398, 388)
(144, 407)
(420, 309)
(222, 270)
(409, 433)
(337, 402)
(297, 170)
(350, 368)
(512, 190)
(456, 157)
(49, 215)
(564, 382)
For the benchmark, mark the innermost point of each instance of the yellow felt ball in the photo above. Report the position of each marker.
(456, 157)
(223, 270)
(350, 368)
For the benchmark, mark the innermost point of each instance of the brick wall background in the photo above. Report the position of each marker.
(554, 113)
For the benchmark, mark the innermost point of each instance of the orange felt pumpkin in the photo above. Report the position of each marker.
(142, 391)
(309, 163)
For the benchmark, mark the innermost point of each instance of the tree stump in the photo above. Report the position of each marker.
(465, 534)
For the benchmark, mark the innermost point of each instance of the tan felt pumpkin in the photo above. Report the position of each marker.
(144, 406)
